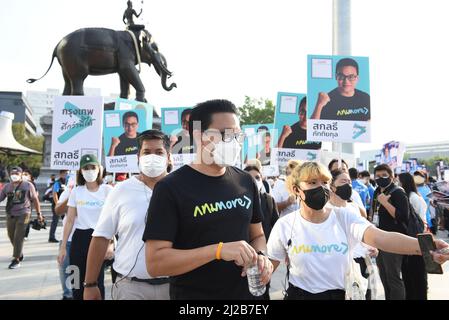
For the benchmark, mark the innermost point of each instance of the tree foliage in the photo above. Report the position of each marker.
(34, 163)
(256, 111)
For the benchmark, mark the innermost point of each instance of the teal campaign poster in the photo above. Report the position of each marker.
(259, 143)
(290, 122)
(121, 128)
(175, 124)
(338, 91)
(172, 119)
(124, 104)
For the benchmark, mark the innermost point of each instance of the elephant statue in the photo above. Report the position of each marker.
(100, 51)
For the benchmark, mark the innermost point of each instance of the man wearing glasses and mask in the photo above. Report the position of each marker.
(344, 102)
(204, 220)
(126, 144)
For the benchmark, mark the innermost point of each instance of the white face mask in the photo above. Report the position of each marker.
(26, 178)
(260, 186)
(90, 175)
(14, 177)
(226, 153)
(153, 165)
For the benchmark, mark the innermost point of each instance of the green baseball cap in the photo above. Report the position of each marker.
(88, 159)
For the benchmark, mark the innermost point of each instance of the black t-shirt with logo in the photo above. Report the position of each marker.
(193, 210)
(355, 108)
(126, 146)
(298, 139)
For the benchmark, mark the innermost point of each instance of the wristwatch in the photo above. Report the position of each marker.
(90, 285)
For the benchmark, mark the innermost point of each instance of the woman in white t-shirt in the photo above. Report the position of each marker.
(340, 197)
(413, 269)
(317, 241)
(85, 203)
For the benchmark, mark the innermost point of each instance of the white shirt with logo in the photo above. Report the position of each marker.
(88, 205)
(281, 194)
(318, 253)
(124, 214)
(64, 196)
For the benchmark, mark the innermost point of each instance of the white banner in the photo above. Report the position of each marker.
(338, 131)
(282, 156)
(77, 130)
(180, 160)
(120, 164)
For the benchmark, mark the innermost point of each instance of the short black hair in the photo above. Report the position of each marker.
(251, 168)
(263, 128)
(129, 114)
(203, 112)
(63, 171)
(185, 113)
(365, 174)
(333, 161)
(153, 134)
(384, 167)
(347, 62)
(303, 100)
(407, 183)
(353, 173)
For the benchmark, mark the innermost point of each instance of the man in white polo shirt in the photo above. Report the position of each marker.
(124, 214)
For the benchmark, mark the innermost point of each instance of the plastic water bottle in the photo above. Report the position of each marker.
(256, 287)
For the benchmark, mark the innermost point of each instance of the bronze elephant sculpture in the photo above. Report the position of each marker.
(100, 51)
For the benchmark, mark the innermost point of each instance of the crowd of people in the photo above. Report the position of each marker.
(195, 233)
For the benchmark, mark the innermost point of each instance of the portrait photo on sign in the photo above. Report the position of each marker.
(175, 124)
(338, 88)
(290, 121)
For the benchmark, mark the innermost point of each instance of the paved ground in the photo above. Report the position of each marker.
(38, 278)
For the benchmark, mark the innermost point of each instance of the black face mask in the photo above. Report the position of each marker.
(62, 180)
(344, 191)
(316, 198)
(383, 182)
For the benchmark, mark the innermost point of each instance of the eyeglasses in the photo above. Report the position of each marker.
(350, 77)
(302, 111)
(131, 125)
(227, 136)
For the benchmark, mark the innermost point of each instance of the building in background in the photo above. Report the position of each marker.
(17, 103)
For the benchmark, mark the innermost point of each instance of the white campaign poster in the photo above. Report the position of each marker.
(282, 156)
(77, 130)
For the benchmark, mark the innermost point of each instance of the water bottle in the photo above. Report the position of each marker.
(256, 287)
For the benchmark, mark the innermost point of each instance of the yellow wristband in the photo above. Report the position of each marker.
(218, 253)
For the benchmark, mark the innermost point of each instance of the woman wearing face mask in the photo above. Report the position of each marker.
(84, 207)
(340, 197)
(269, 210)
(318, 241)
(413, 269)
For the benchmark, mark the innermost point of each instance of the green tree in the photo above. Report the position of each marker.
(256, 111)
(34, 163)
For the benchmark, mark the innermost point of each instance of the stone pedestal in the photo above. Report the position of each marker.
(46, 123)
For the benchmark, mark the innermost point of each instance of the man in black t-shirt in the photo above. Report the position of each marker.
(126, 144)
(204, 220)
(391, 205)
(344, 102)
(295, 137)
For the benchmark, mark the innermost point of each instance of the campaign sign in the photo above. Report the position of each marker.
(77, 130)
(338, 106)
(121, 128)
